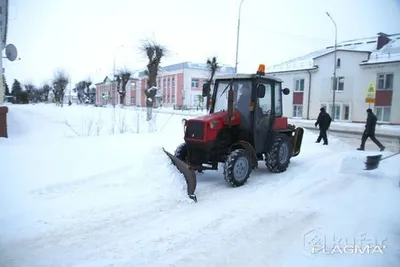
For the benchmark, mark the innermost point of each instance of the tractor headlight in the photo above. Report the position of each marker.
(184, 121)
(213, 124)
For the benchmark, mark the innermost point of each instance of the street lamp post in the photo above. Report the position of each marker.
(334, 85)
(237, 36)
(115, 55)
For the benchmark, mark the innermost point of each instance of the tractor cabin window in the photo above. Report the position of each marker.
(278, 99)
(242, 92)
(265, 102)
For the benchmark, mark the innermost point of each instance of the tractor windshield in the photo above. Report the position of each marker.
(241, 96)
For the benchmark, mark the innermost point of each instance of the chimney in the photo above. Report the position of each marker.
(383, 40)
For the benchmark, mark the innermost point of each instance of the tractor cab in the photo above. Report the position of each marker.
(245, 125)
(256, 100)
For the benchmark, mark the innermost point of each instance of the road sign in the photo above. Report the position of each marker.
(369, 100)
(370, 93)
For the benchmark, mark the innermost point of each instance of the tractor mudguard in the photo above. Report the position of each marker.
(188, 173)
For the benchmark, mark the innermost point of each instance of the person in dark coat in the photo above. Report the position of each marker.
(324, 121)
(370, 131)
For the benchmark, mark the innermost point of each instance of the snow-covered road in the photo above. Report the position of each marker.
(116, 201)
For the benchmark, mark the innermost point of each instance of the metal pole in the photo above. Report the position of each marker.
(237, 36)
(334, 86)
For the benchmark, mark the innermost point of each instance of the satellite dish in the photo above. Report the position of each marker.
(11, 52)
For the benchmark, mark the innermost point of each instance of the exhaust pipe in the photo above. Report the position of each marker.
(188, 173)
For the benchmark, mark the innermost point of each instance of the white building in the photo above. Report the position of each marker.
(3, 41)
(180, 84)
(359, 63)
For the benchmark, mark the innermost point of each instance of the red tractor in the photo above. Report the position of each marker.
(245, 125)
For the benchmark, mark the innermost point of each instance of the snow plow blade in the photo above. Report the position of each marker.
(188, 172)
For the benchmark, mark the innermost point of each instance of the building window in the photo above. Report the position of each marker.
(195, 83)
(173, 82)
(1, 10)
(338, 63)
(346, 112)
(385, 81)
(297, 111)
(299, 85)
(340, 86)
(336, 115)
(383, 114)
(173, 99)
(340, 83)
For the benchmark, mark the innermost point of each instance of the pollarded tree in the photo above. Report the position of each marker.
(124, 76)
(87, 90)
(60, 82)
(80, 90)
(31, 91)
(213, 66)
(154, 53)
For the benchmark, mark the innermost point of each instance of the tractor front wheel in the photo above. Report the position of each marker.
(181, 152)
(237, 168)
(277, 160)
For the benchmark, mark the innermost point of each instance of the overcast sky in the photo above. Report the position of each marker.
(84, 36)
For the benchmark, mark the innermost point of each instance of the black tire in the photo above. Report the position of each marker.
(181, 152)
(273, 160)
(240, 159)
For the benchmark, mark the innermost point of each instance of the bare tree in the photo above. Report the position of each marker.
(213, 66)
(30, 89)
(154, 53)
(60, 82)
(87, 90)
(124, 75)
(80, 90)
(83, 90)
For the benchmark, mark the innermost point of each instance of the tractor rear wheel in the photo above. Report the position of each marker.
(277, 160)
(237, 168)
(181, 152)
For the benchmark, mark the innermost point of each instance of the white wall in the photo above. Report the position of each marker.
(371, 75)
(356, 82)
(353, 94)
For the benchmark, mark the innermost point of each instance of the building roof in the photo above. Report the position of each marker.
(388, 53)
(244, 76)
(190, 65)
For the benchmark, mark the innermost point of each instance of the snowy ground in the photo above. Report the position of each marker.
(108, 196)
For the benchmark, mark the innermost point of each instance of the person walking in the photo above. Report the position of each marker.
(324, 121)
(370, 131)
